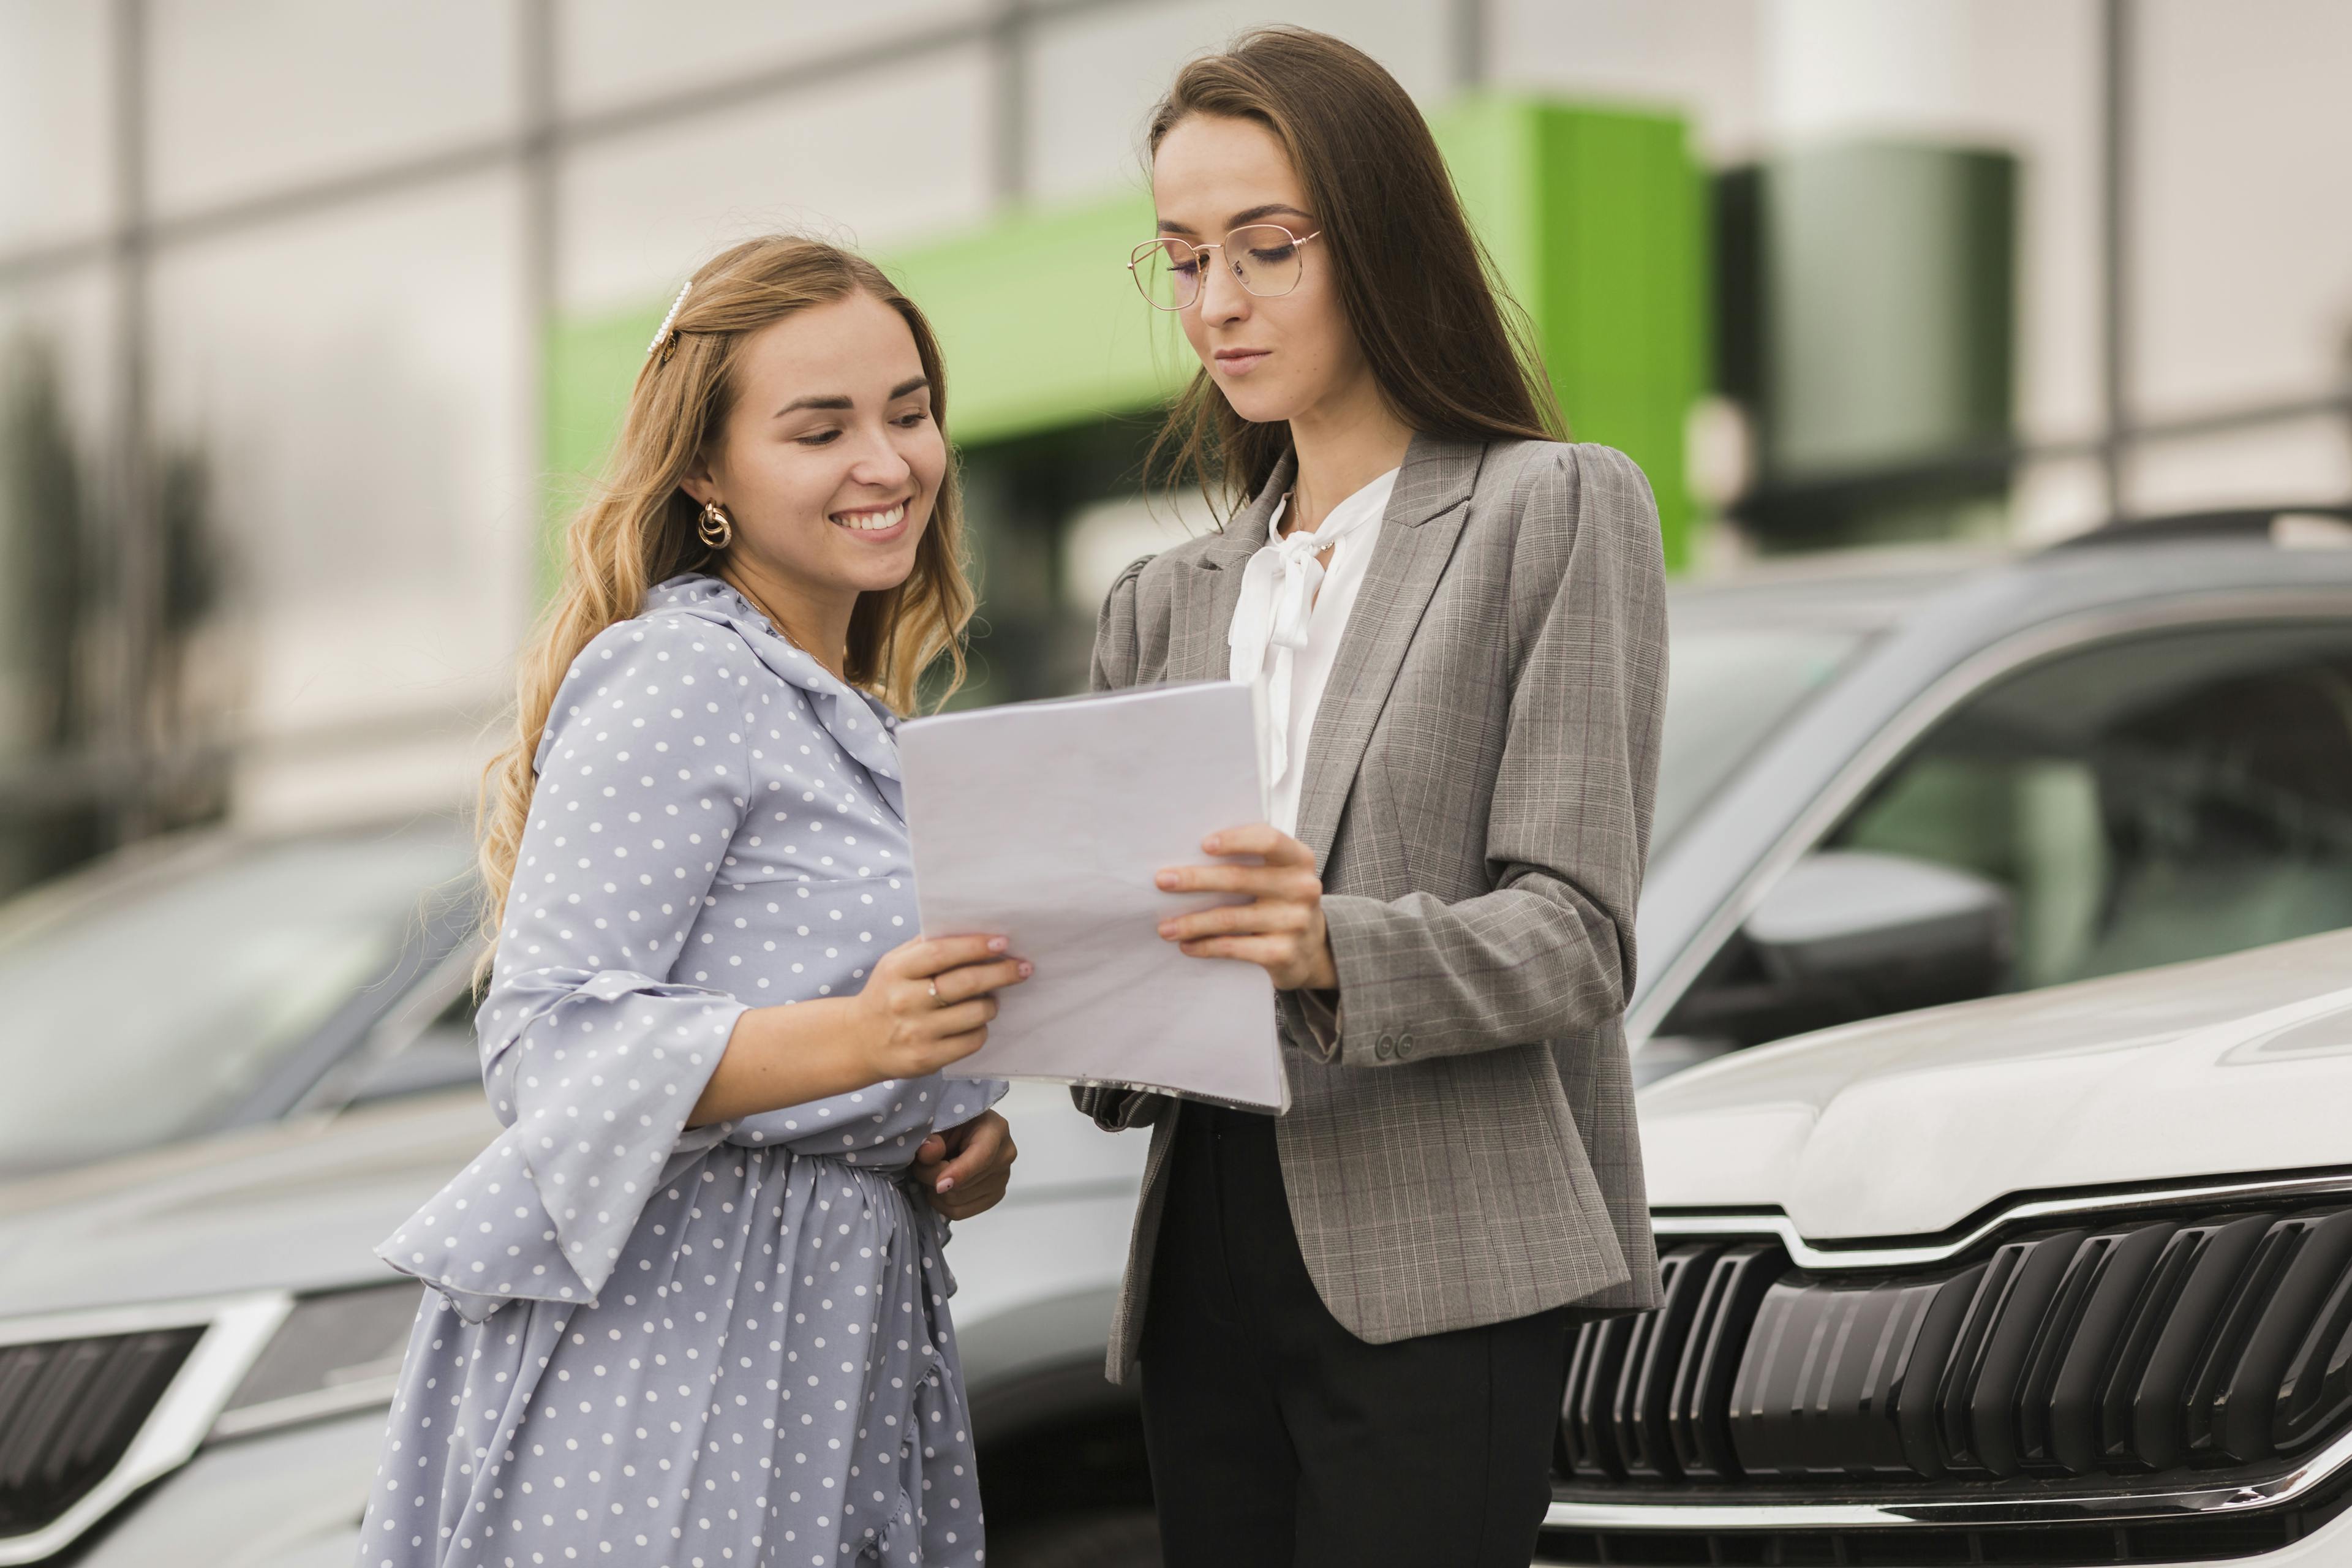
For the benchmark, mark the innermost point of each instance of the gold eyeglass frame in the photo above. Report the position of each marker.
(1136, 258)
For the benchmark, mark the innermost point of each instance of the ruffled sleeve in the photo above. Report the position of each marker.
(602, 1023)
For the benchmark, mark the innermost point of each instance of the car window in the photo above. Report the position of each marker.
(146, 1010)
(2150, 800)
(1730, 686)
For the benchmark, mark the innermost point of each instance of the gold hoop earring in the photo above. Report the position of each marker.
(717, 529)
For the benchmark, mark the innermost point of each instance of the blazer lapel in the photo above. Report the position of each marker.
(1424, 517)
(1208, 593)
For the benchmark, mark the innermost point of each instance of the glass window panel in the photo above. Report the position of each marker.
(70, 314)
(641, 212)
(1094, 78)
(2242, 239)
(56, 394)
(57, 178)
(618, 50)
(249, 95)
(1698, 56)
(58, 380)
(2036, 66)
(356, 384)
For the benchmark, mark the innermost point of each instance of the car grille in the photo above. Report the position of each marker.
(2185, 1350)
(69, 1411)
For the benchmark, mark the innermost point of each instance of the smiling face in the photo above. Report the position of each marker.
(1286, 358)
(829, 461)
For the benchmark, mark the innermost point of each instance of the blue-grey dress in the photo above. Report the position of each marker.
(647, 1344)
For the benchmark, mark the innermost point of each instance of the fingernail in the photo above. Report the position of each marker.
(1027, 969)
(1167, 879)
(946, 1182)
(996, 944)
(1210, 843)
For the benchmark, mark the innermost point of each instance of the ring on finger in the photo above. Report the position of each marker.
(935, 993)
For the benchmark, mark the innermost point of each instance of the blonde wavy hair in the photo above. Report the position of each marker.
(637, 527)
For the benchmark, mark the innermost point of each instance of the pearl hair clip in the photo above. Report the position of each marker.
(665, 339)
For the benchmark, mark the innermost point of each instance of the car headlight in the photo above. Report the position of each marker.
(334, 1352)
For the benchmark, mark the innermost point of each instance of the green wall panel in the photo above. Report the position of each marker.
(1039, 323)
(1593, 216)
(1619, 301)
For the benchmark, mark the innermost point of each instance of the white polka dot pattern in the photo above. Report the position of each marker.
(647, 1344)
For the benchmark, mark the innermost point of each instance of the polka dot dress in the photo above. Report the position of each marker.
(653, 1344)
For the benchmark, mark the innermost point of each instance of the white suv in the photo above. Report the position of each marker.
(2056, 1278)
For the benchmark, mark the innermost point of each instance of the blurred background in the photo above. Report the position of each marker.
(315, 316)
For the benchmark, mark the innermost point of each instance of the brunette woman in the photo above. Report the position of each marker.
(1352, 1322)
(687, 1310)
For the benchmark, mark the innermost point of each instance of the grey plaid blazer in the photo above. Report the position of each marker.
(1461, 1147)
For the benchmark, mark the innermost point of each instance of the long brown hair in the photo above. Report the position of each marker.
(1451, 349)
(637, 528)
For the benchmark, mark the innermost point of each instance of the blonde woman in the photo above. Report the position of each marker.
(686, 1310)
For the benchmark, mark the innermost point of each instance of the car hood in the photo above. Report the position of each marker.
(297, 1205)
(1908, 1126)
(300, 1205)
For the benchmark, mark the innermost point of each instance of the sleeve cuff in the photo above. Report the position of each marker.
(1115, 1108)
(1322, 1019)
(1315, 1021)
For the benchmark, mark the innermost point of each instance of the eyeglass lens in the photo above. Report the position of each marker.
(1264, 259)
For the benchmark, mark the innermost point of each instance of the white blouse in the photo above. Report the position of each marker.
(1286, 628)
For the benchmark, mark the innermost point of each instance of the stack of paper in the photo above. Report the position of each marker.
(1046, 823)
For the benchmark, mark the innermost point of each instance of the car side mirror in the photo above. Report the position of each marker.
(1850, 934)
(1893, 932)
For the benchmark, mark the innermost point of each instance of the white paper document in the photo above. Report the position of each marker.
(1046, 823)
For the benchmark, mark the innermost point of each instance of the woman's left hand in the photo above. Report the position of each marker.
(964, 1169)
(1280, 930)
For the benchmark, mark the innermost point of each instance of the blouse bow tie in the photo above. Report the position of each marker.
(1277, 601)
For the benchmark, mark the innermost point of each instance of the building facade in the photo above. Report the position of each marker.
(298, 303)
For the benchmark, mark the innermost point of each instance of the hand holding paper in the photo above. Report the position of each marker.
(1280, 929)
(1049, 823)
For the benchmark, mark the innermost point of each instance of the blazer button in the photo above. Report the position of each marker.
(1405, 1046)
(1385, 1049)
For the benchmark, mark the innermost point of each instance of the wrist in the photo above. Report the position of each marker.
(841, 1052)
(854, 1050)
(1323, 966)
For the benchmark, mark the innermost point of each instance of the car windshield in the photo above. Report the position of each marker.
(1731, 686)
(149, 999)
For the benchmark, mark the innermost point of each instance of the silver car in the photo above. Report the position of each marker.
(1888, 783)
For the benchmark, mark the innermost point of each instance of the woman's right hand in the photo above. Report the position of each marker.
(929, 1002)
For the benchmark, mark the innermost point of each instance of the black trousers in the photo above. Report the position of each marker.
(1279, 1439)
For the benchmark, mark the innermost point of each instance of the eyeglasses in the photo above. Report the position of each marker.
(1264, 257)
